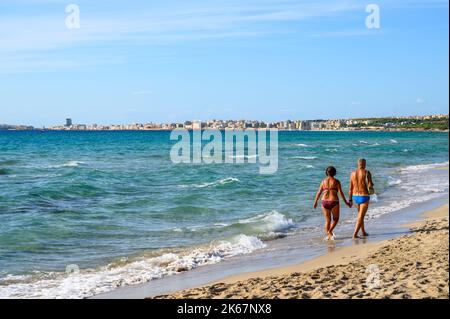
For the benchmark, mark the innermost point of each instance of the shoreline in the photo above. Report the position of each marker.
(315, 275)
(255, 263)
(284, 254)
(340, 256)
(251, 129)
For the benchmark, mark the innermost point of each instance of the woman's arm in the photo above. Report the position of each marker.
(319, 192)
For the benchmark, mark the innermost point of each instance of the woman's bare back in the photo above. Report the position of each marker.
(331, 188)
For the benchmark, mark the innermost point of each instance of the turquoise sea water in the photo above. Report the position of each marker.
(115, 205)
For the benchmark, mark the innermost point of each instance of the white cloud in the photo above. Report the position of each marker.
(40, 26)
(147, 24)
(420, 100)
(348, 33)
(23, 63)
(49, 32)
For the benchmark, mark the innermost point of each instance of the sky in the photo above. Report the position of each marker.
(142, 61)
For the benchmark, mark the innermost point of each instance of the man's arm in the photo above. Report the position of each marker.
(369, 180)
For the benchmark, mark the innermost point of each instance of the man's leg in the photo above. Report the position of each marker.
(364, 209)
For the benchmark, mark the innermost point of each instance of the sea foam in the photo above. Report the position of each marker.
(219, 182)
(90, 282)
(424, 167)
(270, 222)
(414, 184)
(304, 157)
(68, 164)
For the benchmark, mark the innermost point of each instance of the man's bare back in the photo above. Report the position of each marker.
(360, 181)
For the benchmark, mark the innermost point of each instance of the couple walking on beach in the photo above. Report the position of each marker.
(361, 187)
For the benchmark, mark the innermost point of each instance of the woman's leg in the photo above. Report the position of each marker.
(336, 212)
(327, 214)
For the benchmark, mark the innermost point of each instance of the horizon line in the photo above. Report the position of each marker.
(239, 120)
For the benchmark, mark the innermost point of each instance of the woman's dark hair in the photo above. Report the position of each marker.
(331, 171)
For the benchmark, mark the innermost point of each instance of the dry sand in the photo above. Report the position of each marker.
(411, 266)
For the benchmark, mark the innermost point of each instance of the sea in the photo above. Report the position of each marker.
(86, 213)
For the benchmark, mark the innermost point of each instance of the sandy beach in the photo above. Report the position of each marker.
(415, 265)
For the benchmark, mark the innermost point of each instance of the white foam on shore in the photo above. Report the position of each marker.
(90, 282)
(424, 167)
(394, 181)
(262, 225)
(414, 184)
(271, 222)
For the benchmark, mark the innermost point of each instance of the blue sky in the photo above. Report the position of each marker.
(168, 61)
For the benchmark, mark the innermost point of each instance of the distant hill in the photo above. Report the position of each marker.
(7, 127)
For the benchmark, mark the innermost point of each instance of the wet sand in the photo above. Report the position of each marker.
(411, 266)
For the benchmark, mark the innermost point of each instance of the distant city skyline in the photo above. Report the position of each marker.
(434, 122)
(172, 61)
(69, 121)
(289, 124)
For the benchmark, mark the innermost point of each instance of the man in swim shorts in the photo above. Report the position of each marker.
(361, 186)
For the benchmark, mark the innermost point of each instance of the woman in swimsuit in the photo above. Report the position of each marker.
(331, 188)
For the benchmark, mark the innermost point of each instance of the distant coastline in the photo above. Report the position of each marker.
(237, 129)
(227, 129)
(427, 123)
